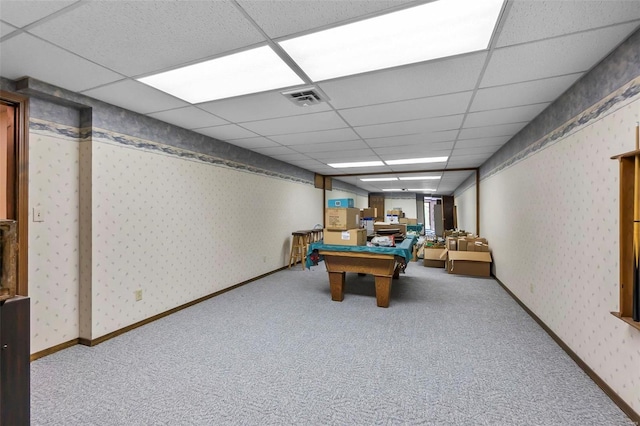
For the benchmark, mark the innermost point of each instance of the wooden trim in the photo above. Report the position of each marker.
(54, 349)
(628, 320)
(626, 408)
(478, 202)
(93, 342)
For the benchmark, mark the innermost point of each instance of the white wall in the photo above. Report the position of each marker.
(54, 275)
(466, 209)
(175, 228)
(552, 223)
(408, 205)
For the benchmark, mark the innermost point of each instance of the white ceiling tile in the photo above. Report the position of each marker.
(275, 150)
(297, 124)
(259, 106)
(6, 29)
(284, 17)
(364, 154)
(415, 138)
(50, 64)
(188, 117)
(528, 92)
(524, 20)
(331, 146)
(139, 37)
(227, 132)
(553, 57)
(251, 143)
(414, 126)
(491, 131)
(423, 150)
(484, 142)
(322, 136)
(135, 96)
(480, 151)
(293, 156)
(504, 115)
(435, 106)
(413, 81)
(23, 13)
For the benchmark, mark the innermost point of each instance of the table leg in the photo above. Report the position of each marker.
(336, 281)
(383, 290)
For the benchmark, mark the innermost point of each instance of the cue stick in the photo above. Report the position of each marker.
(636, 230)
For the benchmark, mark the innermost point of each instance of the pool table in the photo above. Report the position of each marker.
(384, 263)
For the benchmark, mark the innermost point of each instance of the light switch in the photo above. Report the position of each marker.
(38, 214)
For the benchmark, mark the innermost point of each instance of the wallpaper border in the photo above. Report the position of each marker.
(607, 105)
(115, 138)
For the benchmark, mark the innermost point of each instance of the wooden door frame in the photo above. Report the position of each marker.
(21, 104)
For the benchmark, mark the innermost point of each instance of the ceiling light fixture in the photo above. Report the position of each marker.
(251, 71)
(420, 178)
(416, 161)
(421, 190)
(379, 179)
(433, 30)
(356, 164)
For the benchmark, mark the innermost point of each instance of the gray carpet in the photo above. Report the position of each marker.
(449, 350)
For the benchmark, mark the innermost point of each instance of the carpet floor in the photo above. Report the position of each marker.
(449, 350)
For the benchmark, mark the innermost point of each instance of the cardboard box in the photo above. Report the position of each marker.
(352, 237)
(469, 263)
(401, 227)
(368, 225)
(462, 244)
(432, 257)
(395, 212)
(342, 219)
(452, 243)
(340, 202)
(369, 213)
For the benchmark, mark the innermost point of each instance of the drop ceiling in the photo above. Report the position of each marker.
(464, 107)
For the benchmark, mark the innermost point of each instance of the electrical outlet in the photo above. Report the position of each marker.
(38, 214)
(531, 287)
(264, 259)
(138, 294)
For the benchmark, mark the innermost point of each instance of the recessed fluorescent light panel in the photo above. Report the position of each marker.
(379, 179)
(416, 160)
(421, 190)
(420, 178)
(252, 71)
(357, 164)
(433, 30)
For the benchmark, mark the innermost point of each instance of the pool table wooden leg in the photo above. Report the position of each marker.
(383, 290)
(336, 282)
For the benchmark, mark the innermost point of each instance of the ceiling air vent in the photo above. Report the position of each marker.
(303, 97)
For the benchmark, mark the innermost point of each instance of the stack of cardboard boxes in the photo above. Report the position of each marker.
(343, 227)
(368, 218)
(461, 254)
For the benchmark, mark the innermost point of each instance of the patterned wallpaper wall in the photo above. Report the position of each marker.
(179, 229)
(176, 228)
(54, 276)
(466, 208)
(552, 222)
